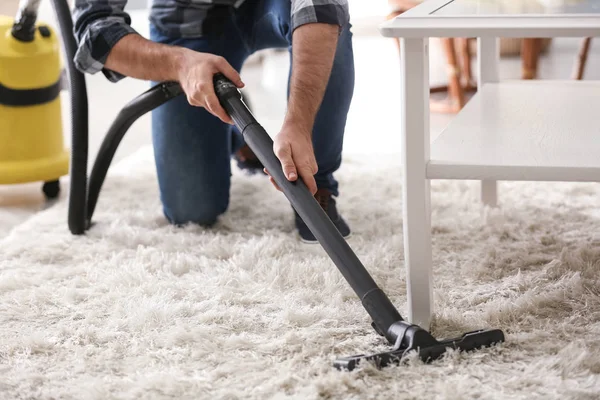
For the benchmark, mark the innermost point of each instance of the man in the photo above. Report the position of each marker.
(193, 137)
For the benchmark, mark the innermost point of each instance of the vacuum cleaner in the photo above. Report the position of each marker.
(31, 132)
(405, 338)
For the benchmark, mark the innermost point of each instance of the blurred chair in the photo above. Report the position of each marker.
(530, 54)
(460, 77)
(584, 49)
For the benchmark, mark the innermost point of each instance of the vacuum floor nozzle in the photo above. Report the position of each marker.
(425, 345)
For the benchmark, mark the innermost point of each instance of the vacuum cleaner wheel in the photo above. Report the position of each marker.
(51, 189)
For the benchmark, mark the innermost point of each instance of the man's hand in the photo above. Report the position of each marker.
(140, 58)
(313, 51)
(196, 78)
(293, 146)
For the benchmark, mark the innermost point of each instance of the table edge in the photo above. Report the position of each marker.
(448, 26)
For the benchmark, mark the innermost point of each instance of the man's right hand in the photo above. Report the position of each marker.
(140, 58)
(195, 75)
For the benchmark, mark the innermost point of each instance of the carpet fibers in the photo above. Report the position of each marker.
(140, 309)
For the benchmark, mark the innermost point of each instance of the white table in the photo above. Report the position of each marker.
(510, 130)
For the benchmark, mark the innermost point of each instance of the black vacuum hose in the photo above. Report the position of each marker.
(79, 122)
(139, 106)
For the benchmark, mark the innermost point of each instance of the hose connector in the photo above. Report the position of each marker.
(24, 27)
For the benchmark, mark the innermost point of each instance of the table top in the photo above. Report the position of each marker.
(497, 18)
(517, 7)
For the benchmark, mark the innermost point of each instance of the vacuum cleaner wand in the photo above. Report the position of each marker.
(374, 299)
(404, 337)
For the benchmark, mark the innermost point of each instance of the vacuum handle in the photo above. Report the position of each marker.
(373, 298)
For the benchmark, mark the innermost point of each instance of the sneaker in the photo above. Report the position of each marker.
(247, 160)
(327, 202)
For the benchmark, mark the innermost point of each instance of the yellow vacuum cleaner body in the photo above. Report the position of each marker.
(31, 132)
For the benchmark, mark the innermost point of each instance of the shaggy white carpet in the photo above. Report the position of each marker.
(140, 309)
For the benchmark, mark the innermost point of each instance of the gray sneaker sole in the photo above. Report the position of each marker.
(316, 241)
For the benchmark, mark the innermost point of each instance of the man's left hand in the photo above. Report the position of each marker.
(293, 147)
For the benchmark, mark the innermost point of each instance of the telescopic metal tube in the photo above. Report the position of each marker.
(377, 304)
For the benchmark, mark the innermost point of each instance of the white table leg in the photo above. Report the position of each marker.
(416, 191)
(488, 57)
(489, 192)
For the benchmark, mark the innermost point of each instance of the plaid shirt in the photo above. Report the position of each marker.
(100, 24)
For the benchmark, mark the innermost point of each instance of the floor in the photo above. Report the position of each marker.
(124, 311)
(372, 121)
(139, 309)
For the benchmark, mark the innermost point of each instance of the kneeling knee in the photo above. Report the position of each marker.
(200, 214)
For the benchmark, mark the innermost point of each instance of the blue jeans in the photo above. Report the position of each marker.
(193, 148)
